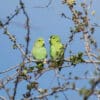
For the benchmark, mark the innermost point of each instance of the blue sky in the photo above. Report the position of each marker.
(44, 22)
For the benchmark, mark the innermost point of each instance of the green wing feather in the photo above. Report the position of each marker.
(57, 51)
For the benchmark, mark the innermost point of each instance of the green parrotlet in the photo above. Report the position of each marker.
(39, 52)
(56, 51)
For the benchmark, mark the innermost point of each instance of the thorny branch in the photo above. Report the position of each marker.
(60, 89)
(27, 26)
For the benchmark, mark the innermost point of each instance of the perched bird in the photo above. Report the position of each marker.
(56, 51)
(39, 52)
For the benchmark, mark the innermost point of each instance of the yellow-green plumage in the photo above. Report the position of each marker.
(56, 50)
(54, 39)
(39, 51)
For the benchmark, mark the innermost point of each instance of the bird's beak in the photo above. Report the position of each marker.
(49, 40)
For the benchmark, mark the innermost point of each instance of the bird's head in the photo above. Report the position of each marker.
(39, 42)
(54, 39)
